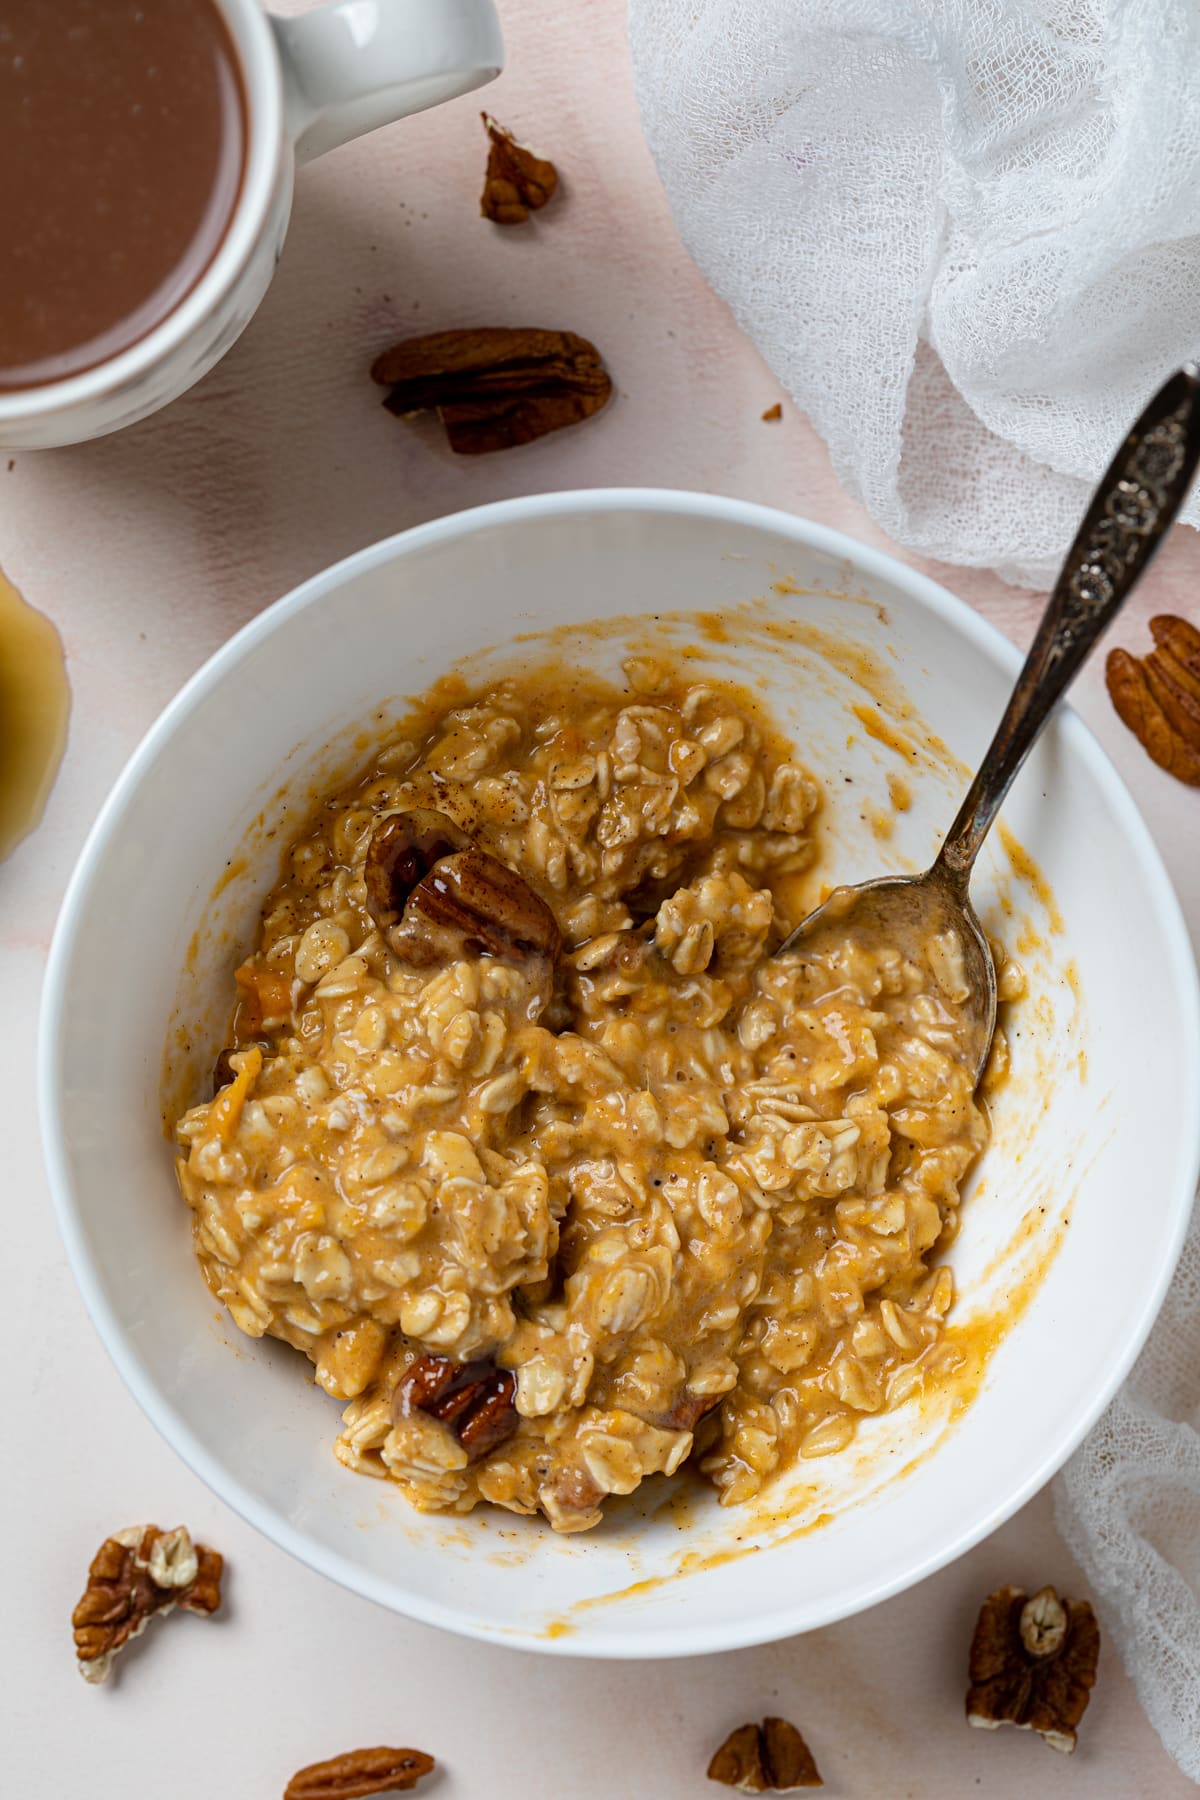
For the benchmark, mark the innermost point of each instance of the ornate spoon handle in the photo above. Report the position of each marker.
(1134, 505)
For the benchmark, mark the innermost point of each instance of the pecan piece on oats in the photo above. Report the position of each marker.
(771, 1758)
(1033, 1664)
(434, 895)
(476, 1400)
(1158, 696)
(495, 387)
(403, 849)
(570, 1498)
(688, 1410)
(518, 180)
(135, 1574)
(471, 902)
(358, 1773)
(1177, 642)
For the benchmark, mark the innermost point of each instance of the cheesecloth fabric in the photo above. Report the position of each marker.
(965, 235)
(1128, 1505)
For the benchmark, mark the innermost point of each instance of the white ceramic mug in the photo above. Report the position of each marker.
(311, 82)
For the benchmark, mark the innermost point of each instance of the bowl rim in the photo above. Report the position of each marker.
(631, 1643)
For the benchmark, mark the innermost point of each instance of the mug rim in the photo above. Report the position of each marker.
(262, 88)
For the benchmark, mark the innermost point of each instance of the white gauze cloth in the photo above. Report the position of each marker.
(1128, 1504)
(963, 234)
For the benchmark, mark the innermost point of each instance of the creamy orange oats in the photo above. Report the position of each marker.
(529, 1145)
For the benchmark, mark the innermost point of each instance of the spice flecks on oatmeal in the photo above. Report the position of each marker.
(525, 1140)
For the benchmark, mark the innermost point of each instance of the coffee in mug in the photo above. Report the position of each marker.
(122, 146)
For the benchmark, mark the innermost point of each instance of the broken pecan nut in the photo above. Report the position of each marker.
(435, 896)
(476, 1400)
(688, 1411)
(358, 1773)
(518, 180)
(402, 851)
(497, 386)
(492, 1419)
(1033, 1664)
(771, 1758)
(1158, 696)
(134, 1575)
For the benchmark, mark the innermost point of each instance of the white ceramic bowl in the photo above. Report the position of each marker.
(1098, 1124)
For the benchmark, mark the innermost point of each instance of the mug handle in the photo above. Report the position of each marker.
(358, 64)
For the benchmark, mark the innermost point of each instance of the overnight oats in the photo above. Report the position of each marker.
(528, 1143)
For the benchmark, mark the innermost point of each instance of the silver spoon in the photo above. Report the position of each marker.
(1135, 503)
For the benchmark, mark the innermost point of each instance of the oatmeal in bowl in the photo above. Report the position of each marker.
(526, 1319)
(527, 1141)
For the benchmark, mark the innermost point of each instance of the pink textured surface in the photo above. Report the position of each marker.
(148, 550)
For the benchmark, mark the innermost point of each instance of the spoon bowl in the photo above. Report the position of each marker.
(931, 920)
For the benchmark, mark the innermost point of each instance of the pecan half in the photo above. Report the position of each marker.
(518, 180)
(1033, 1664)
(437, 901)
(134, 1575)
(472, 902)
(768, 1758)
(1173, 669)
(497, 386)
(1178, 646)
(357, 1773)
(475, 1400)
(1158, 696)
